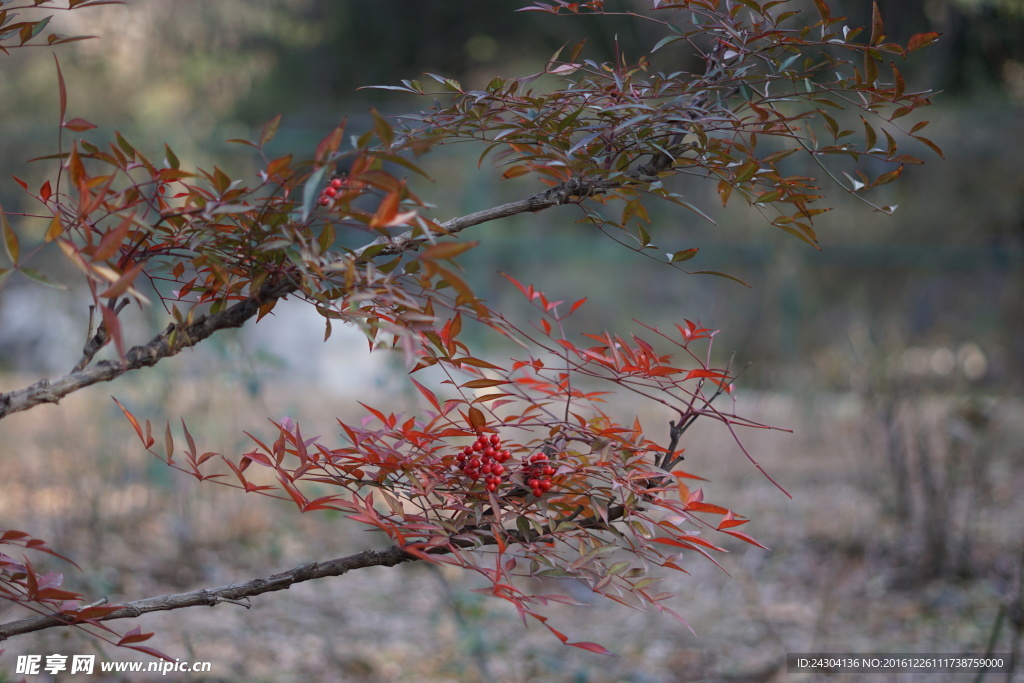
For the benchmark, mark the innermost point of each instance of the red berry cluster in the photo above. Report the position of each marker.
(331, 191)
(537, 473)
(486, 458)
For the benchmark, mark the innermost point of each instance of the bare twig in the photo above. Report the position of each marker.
(102, 336)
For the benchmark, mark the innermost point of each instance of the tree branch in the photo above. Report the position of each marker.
(559, 194)
(170, 342)
(180, 336)
(235, 592)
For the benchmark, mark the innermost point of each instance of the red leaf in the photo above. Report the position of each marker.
(680, 473)
(593, 647)
(742, 536)
(476, 418)
(692, 374)
(79, 125)
(269, 130)
(21, 182)
(706, 507)
(131, 418)
(428, 394)
(919, 40)
(329, 145)
(135, 636)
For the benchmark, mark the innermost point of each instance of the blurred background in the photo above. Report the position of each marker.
(895, 354)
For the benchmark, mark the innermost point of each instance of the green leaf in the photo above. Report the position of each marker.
(721, 274)
(170, 158)
(684, 255)
(311, 192)
(34, 274)
(383, 129)
(645, 238)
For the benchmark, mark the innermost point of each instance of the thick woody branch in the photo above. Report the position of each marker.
(179, 336)
(168, 343)
(231, 593)
(239, 592)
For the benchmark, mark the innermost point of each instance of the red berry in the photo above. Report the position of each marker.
(548, 470)
(330, 192)
(538, 492)
(504, 455)
(533, 483)
(487, 469)
(498, 469)
(492, 487)
(495, 439)
(337, 183)
(538, 457)
(545, 484)
(474, 463)
(490, 452)
(479, 445)
(324, 201)
(472, 473)
(461, 457)
(468, 450)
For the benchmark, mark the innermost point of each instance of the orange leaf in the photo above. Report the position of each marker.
(446, 250)
(131, 418)
(124, 282)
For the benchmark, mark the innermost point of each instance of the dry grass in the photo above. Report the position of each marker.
(836, 579)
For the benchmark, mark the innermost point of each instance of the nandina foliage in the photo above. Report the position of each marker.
(513, 467)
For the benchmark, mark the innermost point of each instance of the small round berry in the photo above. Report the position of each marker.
(538, 457)
(487, 469)
(330, 192)
(498, 469)
(337, 183)
(503, 456)
(461, 457)
(324, 201)
(492, 487)
(495, 439)
(474, 463)
(490, 452)
(472, 473)
(478, 445)
(547, 470)
(533, 483)
(468, 450)
(545, 484)
(538, 492)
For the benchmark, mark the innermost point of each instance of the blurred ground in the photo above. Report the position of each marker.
(844, 572)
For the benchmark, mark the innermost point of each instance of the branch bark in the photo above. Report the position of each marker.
(179, 336)
(237, 592)
(234, 592)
